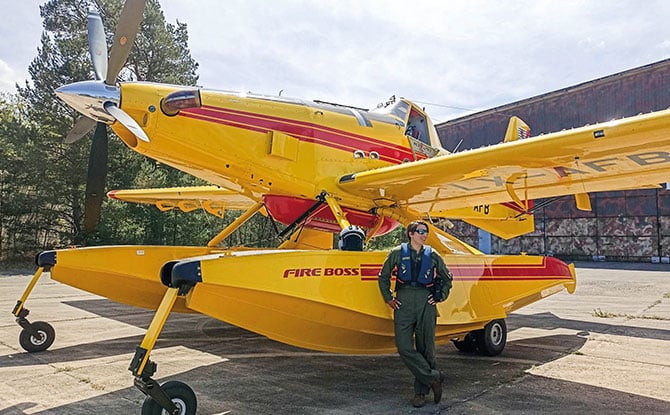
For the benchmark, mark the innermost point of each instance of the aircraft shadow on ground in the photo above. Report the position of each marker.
(195, 331)
(209, 335)
(550, 321)
(376, 385)
(182, 325)
(263, 376)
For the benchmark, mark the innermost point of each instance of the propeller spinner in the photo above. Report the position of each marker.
(98, 101)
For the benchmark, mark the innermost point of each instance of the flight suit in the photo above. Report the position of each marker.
(415, 320)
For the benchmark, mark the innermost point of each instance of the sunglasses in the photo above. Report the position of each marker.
(422, 231)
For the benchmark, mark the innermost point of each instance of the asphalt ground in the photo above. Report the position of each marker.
(604, 349)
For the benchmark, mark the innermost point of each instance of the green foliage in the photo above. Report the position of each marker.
(42, 181)
(388, 241)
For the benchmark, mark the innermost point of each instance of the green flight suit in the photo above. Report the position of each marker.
(415, 320)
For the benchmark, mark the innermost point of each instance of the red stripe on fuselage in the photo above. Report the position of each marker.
(551, 270)
(309, 139)
(546, 270)
(304, 131)
(205, 117)
(369, 272)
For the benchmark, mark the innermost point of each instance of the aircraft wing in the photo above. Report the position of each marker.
(213, 199)
(623, 154)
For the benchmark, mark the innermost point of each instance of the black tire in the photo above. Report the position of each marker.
(180, 393)
(44, 337)
(491, 340)
(467, 345)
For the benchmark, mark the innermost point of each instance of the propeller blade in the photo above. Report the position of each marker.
(97, 44)
(124, 37)
(96, 178)
(81, 127)
(127, 121)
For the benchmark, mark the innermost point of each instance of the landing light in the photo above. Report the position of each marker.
(176, 101)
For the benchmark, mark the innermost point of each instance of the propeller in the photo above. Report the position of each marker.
(99, 100)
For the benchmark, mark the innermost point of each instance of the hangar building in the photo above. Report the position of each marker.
(623, 226)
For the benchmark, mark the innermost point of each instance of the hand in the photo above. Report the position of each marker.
(431, 300)
(394, 303)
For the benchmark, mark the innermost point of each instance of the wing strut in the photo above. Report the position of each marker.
(373, 231)
(340, 216)
(509, 186)
(352, 238)
(241, 220)
(581, 203)
(304, 216)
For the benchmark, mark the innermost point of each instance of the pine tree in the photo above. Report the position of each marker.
(42, 180)
(160, 54)
(19, 209)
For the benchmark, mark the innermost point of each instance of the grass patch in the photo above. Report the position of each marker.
(666, 295)
(604, 314)
(17, 267)
(93, 385)
(652, 318)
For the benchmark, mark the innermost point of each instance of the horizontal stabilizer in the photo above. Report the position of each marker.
(505, 220)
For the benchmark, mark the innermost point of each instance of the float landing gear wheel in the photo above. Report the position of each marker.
(181, 395)
(492, 338)
(171, 398)
(467, 345)
(37, 336)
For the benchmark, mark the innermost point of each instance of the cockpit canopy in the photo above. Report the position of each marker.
(418, 126)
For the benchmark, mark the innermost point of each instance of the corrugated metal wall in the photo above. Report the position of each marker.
(624, 226)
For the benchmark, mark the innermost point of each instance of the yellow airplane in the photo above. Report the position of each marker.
(323, 169)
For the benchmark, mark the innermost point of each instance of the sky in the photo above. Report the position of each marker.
(454, 57)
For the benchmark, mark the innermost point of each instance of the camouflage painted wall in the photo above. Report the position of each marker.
(623, 226)
(626, 226)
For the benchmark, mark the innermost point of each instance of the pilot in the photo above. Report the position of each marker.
(412, 131)
(422, 281)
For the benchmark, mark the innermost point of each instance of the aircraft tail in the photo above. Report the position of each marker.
(516, 130)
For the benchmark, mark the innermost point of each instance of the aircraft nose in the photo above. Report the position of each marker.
(89, 98)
